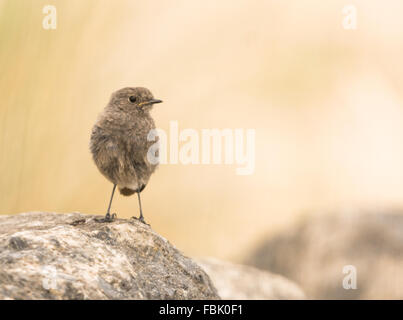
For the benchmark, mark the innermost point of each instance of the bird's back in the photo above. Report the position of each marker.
(119, 148)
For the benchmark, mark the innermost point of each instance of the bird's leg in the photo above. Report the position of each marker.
(108, 216)
(141, 218)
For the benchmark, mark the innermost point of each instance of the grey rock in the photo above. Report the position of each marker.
(239, 282)
(72, 256)
(314, 252)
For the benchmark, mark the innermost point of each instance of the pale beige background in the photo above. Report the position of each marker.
(326, 102)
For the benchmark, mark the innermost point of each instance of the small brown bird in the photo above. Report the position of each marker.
(119, 142)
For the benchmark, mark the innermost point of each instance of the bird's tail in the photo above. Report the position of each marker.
(126, 191)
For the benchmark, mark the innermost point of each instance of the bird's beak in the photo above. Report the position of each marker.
(149, 102)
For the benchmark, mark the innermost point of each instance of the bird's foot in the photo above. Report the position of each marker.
(108, 218)
(141, 219)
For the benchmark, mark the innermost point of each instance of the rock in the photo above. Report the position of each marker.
(315, 252)
(235, 281)
(72, 256)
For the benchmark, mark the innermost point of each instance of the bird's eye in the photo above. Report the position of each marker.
(132, 99)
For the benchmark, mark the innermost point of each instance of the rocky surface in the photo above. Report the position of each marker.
(72, 256)
(314, 253)
(235, 281)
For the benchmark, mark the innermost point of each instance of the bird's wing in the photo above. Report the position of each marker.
(105, 152)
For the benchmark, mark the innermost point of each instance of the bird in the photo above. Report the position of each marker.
(119, 143)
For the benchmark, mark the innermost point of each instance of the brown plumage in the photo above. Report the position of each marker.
(119, 142)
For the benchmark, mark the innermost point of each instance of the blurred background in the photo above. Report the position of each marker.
(326, 103)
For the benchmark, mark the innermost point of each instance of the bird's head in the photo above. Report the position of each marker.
(133, 99)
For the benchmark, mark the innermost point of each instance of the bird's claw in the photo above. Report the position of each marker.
(141, 219)
(108, 218)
